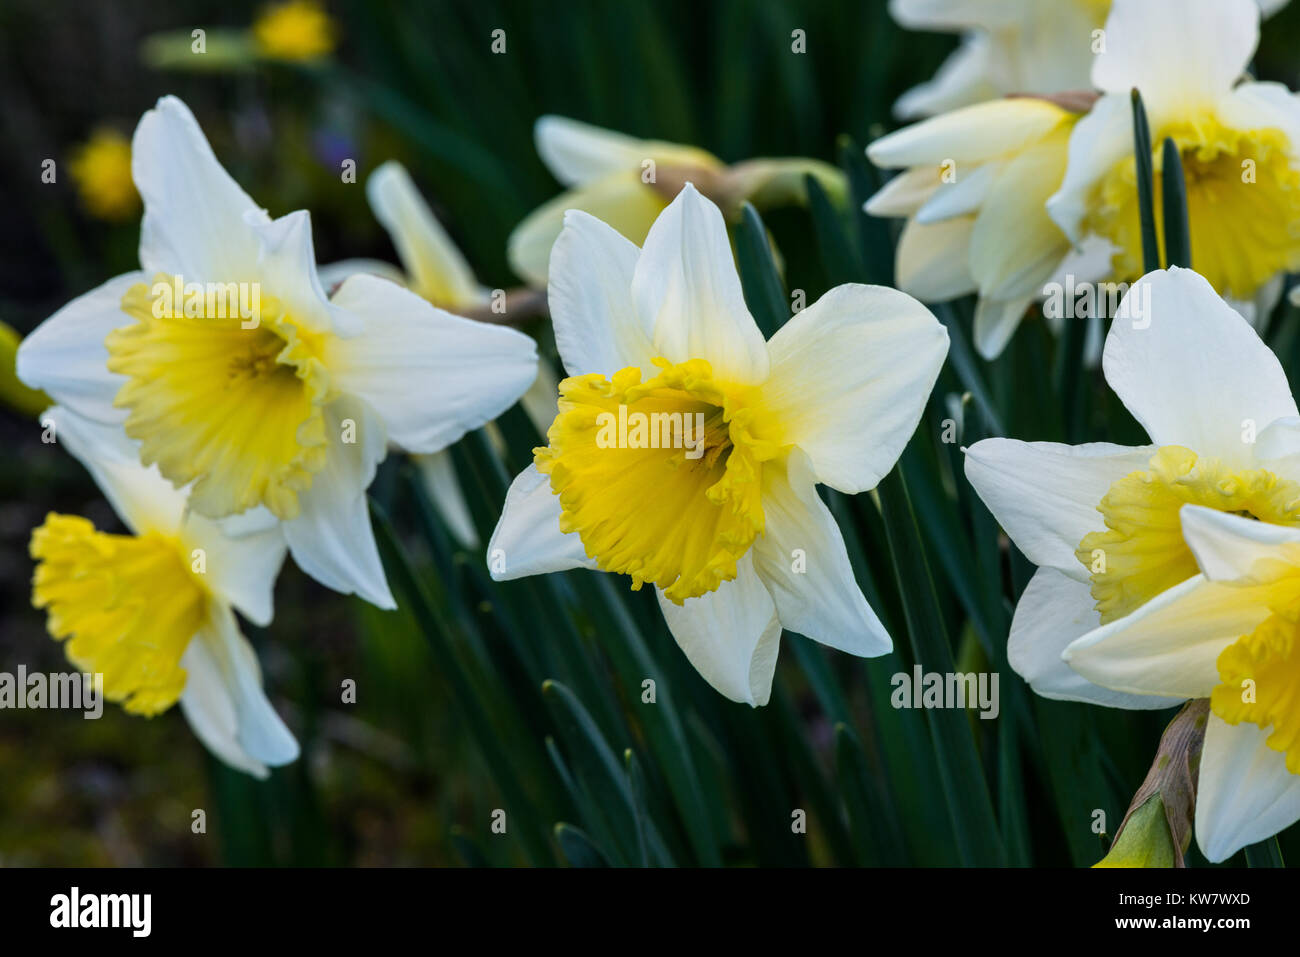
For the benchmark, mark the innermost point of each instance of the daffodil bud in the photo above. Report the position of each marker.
(12, 391)
(1158, 827)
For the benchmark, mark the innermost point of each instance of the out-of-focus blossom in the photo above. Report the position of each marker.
(151, 611)
(1008, 46)
(434, 268)
(627, 182)
(974, 192)
(101, 170)
(298, 30)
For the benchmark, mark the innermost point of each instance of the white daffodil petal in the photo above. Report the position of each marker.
(731, 635)
(66, 355)
(1100, 140)
(1176, 69)
(144, 500)
(194, 221)
(1261, 106)
(933, 262)
(860, 358)
(802, 560)
(239, 570)
(287, 264)
(1170, 645)
(1227, 547)
(1045, 495)
(1053, 611)
(968, 136)
(619, 200)
(578, 153)
(961, 197)
(996, 321)
(961, 80)
(1244, 792)
(1277, 447)
(430, 376)
(333, 275)
(1192, 371)
(259, 731)
(905, 193)
(331, 539)
(941, 14)
(527, 539)
(440, 481)
(1016, 246)
(209, 708)
(687, 292)
(438, 270)
(590, 295)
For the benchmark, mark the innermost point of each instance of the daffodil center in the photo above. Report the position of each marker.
(1142, 553)
(231, 403)
(126, 605)
(1243, 203)
(660, 479)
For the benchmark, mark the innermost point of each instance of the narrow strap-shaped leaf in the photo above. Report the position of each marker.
(838, 257)
(597, 771)
(964, 786)
(579, 849)
(759, 277)
(1265, 854)
(1178, 238)
(470, 699)
(1145, 185)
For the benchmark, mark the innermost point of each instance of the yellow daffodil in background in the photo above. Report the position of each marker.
(435, 269)
(1008, 46)
(1239, 142)
(151, 610)
(974, 194)
(298, 31)
(1231, 634)
(223, 359)
(1105, 523)
(627, 183)
(101, 170)
(721, 516)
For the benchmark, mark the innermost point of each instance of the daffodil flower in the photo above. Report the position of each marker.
(1228, 634)
(1008, 46)
(434, 268)
(279, 413)
(101, 169)
(718, 511)
(298, 31)
(152, 610)
(1101, 520)
(627, 182)
(1239, 143)
(974, 192)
